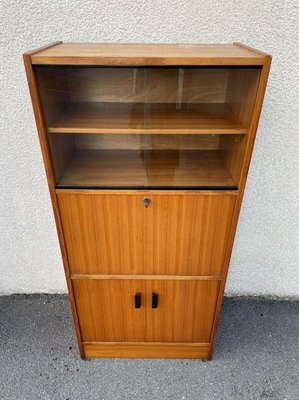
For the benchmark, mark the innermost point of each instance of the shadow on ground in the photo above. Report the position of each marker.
(256, 357)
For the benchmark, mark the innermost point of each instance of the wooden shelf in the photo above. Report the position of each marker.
(150, 168)
(154, 118)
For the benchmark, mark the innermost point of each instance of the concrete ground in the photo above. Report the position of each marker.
(256, 357)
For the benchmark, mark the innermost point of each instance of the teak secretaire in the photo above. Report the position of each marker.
(146, 150)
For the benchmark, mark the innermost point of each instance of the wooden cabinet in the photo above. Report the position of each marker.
(146, 149)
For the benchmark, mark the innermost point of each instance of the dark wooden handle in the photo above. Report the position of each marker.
(137, 300)
(154, 300)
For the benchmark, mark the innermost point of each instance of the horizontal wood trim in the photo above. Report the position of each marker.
(162, 192)
(147, 277)
(200, 344)
(147, 350)
(46, 47)
(143, 61)
(253, 50)
(146, 54)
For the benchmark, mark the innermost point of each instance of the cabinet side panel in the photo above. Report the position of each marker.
(245, 168)
(50, 179)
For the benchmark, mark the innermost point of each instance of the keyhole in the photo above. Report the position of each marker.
(146, 202)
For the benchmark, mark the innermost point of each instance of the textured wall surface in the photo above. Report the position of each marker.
(265, 257)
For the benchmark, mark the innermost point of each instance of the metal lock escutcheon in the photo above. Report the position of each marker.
(146, 202)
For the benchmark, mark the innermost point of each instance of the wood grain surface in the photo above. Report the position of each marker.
(146, 168)
(107, 311)
(116, 234)
(147, 54)
(155, 118)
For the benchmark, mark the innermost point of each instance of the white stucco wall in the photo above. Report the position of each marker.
(265, 257)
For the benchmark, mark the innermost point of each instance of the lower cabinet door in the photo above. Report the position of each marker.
(146, 310)
(180, 310)
(107, 309)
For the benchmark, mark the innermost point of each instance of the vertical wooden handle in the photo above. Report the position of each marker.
(154, 300)
(137, 300)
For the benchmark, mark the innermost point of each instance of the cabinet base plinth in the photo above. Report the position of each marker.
(146, 350)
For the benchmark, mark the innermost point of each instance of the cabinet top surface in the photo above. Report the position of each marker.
(147, 54)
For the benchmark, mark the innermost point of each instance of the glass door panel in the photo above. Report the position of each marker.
(139, 161)
(147, 127)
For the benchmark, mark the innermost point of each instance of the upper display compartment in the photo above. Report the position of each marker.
(147, 116)
(155, 100)
(147, 126)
